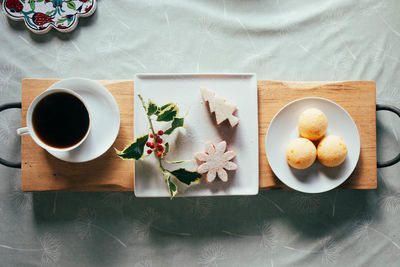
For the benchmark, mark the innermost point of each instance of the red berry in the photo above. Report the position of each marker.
(159, 154)
(148, 144)
(152, 146)
(160, 132)
(158, 140)
(149, 151)
(160, 147)
(151, 135)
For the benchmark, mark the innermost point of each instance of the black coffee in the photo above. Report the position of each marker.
(60, 120)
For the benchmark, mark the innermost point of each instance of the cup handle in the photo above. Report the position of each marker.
(395, 110)
(3, 161)
(23, 131)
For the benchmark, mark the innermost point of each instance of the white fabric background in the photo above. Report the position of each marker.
(286, 40)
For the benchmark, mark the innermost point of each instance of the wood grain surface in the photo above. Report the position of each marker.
(357, 97)
(42, 172)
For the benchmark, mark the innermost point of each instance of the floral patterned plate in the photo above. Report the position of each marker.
(41, 16)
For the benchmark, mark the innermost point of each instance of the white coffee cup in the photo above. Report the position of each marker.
(30, 128)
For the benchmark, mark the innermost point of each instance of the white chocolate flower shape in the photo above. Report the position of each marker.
(216, 161)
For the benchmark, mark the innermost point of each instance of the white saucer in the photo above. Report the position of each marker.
(317, 178)
(105, 119)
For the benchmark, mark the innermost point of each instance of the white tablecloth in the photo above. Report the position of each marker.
(283, 40)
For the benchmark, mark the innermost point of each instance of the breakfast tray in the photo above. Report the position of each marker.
(42, 172)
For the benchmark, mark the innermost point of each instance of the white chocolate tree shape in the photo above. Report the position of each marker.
(216, 161)
(223, 110)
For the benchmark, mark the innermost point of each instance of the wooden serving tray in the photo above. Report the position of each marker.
(42, 172)
(358, 98)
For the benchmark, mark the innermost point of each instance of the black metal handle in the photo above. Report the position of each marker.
(3, 161)
(395, 110)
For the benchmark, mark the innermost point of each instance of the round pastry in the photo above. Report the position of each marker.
(332, 151)
(301, 153)
(312, 124)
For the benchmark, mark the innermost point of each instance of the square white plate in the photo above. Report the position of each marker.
(200, 127)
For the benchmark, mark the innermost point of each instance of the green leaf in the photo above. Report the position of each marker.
(151, 108)
(185, 176)
(60, 21)
(166, 149)
(49, 12)
(166, 105)
(172, 188)
(135, 149)
(167, 112)
(38, 1)
(71, 5)
(32, 4)
(176, 123)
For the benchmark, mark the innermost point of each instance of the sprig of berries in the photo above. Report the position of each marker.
(157, 144)
(154, 143)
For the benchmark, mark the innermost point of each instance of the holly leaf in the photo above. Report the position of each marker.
(176, 123)
(167, 112)
(166, 149)
(185, 176)
(151, 108)
(135, 149)
(71, 5)
(172, 188)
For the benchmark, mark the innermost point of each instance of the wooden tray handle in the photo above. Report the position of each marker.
(3, 161)
(395, 110)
